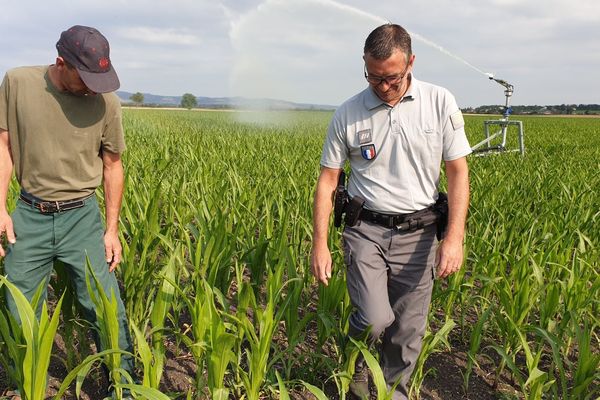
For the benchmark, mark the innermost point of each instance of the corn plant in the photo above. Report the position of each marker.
(220, 356)
(531, 249)
(28, 342)
(80, 372)
(210, 340)
(475, 344)
(283, 392)
(145, 392)
(108, 331)
(153, 357)
(73, 330)
(225, 199)
(318, 393)
(431, 344)
(259, 333)
(332, 298)
(587, 370)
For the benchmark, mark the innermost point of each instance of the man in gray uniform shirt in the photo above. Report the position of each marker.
(394, 134)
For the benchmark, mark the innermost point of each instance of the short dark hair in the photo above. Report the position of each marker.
(382, 42)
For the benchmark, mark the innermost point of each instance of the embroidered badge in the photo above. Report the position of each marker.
(364, 136)
(368, 151)
(457, 120)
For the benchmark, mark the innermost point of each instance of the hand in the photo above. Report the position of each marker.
(320, 263)
(6, 227)
(113, 249)
(449, 257)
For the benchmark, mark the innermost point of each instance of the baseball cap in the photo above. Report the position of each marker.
(87, 50)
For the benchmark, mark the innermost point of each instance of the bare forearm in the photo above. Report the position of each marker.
(6, 168)
(320, 256)
(457, 173)
(323, 205)
(5, 176)
(321, 213)
(113, 194)
(449, 257)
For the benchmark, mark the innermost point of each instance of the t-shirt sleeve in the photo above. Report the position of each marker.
(4, 88)
(456, 144)
(335, 150)
(113, 137)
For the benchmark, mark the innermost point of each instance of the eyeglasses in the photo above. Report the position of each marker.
(390, 80)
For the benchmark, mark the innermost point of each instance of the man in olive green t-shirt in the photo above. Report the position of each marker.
(61, 132)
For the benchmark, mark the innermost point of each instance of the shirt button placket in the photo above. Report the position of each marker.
(394, 120)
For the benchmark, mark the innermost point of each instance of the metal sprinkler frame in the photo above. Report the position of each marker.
(485, 146)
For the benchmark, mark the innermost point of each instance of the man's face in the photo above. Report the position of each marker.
(70, 80)
(389, 77)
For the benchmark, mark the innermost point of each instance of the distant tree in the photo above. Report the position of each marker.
(137, 98)
(188, 101)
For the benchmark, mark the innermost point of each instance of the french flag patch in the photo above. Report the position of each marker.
(368, 151)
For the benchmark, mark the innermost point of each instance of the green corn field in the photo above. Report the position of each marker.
(216, 231)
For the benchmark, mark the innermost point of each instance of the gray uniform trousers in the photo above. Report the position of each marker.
(390, 279)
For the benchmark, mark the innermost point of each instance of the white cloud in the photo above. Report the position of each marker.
(310, 50)
(153, 35)
(297, 49)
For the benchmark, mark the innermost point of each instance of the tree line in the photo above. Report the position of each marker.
(188, 100)
(562, 109)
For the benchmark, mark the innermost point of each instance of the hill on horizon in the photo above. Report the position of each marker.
(273, 104)
(225, 102)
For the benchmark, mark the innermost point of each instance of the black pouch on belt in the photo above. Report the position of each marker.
(353, 209)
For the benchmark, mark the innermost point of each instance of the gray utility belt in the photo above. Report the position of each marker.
(50, 207)
(402, 222)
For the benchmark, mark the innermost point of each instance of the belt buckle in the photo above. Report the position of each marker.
(397, 221)
(402, 224)
(48, 207)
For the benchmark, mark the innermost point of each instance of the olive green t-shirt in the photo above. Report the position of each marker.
(57, 138)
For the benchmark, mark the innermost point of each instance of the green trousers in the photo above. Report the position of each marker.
(66, 236)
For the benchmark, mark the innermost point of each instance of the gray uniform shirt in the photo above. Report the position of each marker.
(395, 153)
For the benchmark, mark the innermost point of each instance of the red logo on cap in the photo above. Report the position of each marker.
(103, 63)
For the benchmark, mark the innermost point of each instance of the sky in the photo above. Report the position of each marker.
(310, 51)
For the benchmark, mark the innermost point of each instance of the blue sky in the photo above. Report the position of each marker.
(310, 50)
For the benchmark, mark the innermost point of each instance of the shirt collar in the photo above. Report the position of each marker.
(412, 91)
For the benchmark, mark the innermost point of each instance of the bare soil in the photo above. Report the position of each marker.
(443, 382)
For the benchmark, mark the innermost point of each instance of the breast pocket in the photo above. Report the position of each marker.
(430, 145)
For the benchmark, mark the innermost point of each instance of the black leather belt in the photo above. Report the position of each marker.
(50, 207)
(401, 222)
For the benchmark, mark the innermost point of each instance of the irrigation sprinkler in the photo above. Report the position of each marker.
(490, 143)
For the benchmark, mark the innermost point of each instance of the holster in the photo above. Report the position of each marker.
(441, 209)
(340, 201)
(344, 207)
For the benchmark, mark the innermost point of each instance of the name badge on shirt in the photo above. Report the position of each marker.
(364, 136)
(368, 151)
